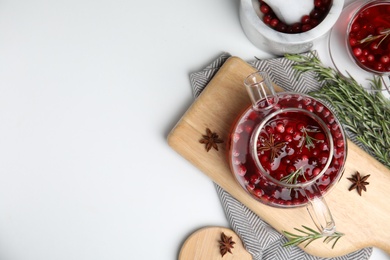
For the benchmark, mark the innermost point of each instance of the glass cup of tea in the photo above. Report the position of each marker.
(368, 39)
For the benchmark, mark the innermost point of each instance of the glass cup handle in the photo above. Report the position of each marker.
(319, 211)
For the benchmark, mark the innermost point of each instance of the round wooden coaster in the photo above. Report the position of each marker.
(204, 244)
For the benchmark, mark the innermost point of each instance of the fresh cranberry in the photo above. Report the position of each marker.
(305, 19)
(281, 27)
(340, 143)
(250, 186)
(362, 59)
(264, 8)
(353, 41)
(274, 22)
(289, 130)
(378, 66)
(258, 193)
(241, 170)
(280, 128)
(319, 108)
(310, 108)
(357, 51)
(267, 18)
(385, 59)
(314, 22)
(325, 112)
(317, 3)
(316, 171)
(253, 115)
(315, 14)
(374, 46)
(288, 138)
(355, 27)
(306, 27)
(296, 27)
(370, 58)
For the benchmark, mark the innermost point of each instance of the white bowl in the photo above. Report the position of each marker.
(268, 39)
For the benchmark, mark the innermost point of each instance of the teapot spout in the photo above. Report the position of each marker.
(261, 91)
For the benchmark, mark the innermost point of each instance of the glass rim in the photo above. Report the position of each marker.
(256, 134)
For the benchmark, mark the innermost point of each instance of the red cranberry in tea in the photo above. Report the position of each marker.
(280, 128)
(357, 51)
(385, 59)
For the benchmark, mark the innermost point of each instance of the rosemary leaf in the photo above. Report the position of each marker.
(308, 235)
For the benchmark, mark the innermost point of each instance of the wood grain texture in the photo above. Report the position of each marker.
(364, 219)
(204, 245)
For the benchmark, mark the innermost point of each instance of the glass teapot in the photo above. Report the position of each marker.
(287, 150)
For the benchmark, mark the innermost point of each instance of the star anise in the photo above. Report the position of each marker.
(270, 145)
(225, 244)
(359, 182)
(211, 140)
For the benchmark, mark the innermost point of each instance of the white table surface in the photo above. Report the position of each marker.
(89, 91)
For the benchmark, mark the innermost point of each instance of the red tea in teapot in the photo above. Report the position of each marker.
(292, 146)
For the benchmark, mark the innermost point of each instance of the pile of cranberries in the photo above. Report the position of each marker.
(308, 21)
(369, 37)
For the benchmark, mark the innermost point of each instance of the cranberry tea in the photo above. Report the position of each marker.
(301, 142)
(369, 37)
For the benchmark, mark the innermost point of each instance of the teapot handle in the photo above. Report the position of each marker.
(319, 210)
(261, 91)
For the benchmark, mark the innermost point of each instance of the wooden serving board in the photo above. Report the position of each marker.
(365, 219)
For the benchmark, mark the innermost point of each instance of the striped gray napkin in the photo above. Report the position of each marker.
(259, 238)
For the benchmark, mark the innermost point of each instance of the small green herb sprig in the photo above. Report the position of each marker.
(308, 235)
(292, 178)
(307, 140)
(384, 33)
(364, 113)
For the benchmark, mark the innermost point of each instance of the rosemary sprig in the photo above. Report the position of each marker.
(308, 235)
(363, 113)
(292, 178)
(382, 34)
(307, 140)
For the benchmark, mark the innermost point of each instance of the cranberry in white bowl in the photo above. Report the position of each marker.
(270, 40)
